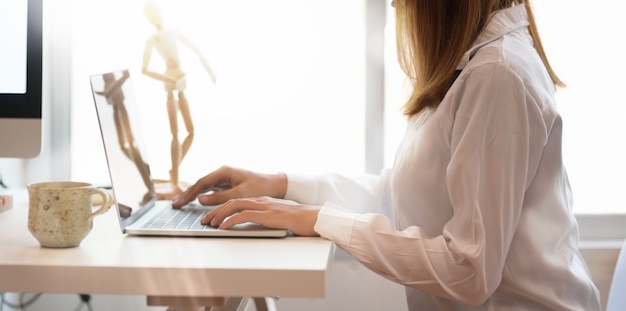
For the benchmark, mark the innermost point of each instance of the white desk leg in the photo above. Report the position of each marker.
(211, 303)
(265, 303)
(176, 303)
(232, 304)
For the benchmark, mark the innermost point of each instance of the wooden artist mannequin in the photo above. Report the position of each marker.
(165, 42)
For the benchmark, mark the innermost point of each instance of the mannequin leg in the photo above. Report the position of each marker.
(172, 110)
(183, 105)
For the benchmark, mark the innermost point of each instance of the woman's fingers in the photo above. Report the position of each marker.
(216, 181)
(266, 211)
(216, 217)
(228, 183)
(258, 217)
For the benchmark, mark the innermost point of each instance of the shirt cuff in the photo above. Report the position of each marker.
(302, 188)
(335, 223)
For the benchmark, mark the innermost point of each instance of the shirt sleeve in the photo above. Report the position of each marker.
(496, 141)
(362, 193)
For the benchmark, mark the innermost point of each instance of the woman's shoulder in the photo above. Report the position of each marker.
(514, 55)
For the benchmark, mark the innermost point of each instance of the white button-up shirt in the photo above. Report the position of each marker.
(480, 211)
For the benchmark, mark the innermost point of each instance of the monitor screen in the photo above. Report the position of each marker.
(20, 78)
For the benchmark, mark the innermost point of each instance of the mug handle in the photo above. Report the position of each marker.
(107, 202)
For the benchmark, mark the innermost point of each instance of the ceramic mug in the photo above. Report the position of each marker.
(61, 213)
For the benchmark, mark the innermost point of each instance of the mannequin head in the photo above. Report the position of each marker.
(152, 13)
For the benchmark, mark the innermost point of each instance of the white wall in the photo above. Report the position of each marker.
(351, 286)
(11, 172)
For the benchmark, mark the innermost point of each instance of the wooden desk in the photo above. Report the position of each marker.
(108, 262)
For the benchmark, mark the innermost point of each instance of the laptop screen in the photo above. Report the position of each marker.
(124, 147)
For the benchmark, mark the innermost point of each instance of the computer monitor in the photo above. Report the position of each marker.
(20, 78)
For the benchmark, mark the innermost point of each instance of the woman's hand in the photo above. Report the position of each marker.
(229, 183)
(269, 212)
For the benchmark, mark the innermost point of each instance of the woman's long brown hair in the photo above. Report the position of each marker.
(433, 35)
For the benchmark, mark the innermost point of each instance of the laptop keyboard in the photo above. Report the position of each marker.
(187, 217)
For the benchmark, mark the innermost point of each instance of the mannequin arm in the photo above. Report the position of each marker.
(203, 60)
(147, 55)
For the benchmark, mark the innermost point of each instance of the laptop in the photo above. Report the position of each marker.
(139, 209)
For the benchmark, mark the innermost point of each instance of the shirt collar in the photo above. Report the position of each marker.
(502, 22)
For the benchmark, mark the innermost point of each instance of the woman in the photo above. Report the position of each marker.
(479, 195)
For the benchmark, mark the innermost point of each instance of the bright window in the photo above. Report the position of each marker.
(289, 93)
(583, 42)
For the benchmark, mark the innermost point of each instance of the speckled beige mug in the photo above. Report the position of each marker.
(61, 212)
